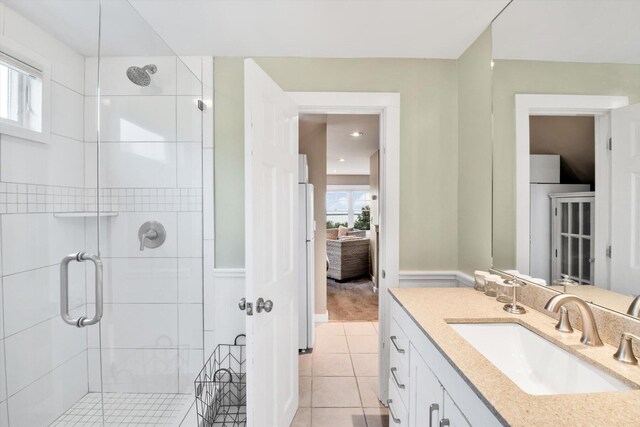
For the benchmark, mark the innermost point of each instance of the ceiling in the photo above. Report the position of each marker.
(558, 30)
(356, 151)
(301, 28)
(124, 32)
(569, 30)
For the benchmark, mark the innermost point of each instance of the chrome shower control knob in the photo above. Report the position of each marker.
(261, 305)
(151, 235)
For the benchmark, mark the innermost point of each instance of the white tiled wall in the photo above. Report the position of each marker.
(151, 169)
(152, 159)
(44, 359)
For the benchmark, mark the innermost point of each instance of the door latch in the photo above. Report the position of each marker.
(246, 306)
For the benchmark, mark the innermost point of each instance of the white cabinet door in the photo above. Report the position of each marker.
(425, 393)
(271, 191)
(452, 416)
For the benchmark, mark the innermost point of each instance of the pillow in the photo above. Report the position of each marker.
(342, 231)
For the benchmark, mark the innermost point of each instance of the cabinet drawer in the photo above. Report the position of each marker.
(398, 415)
(399, 346)
(399, 379)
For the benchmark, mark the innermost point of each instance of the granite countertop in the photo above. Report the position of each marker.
(432, 310)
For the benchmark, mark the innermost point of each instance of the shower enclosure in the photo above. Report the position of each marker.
(101, 217)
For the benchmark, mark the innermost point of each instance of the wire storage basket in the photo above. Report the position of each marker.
(221, 387)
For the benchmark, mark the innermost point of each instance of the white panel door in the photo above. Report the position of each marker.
(625, 200)
(271, 191)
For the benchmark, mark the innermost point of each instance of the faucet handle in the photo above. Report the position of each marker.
(625, 349)
(563, 324)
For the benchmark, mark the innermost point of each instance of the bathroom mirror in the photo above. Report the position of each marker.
(566, 162)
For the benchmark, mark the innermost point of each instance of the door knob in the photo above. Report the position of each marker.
(242, 304)
(261, 304)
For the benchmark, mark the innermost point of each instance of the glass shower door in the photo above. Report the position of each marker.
(50, 272)
(148, 175)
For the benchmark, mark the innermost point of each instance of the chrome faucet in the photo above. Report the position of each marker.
(590, 334)
(625, 350)
(634, 308)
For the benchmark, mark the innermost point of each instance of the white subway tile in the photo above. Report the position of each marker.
(4, 414)
(137, 326)
(43, 401)
(60, 162)
(189, 234)
(189, 280)
(119, 235)
(189, 164)
(67, 112)
(191, 362)
(190, 326)
(207, 94)
(132, 118)
(189, 119)
(55, 341)
(137, 370)
(34, 296)
(207, 194)
(127, 164)
(137, 280)
(189, 75)
(36, 240)
(3, 379)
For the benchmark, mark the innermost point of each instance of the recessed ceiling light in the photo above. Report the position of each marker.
(341, 160)
(356, 134)
(335, 171)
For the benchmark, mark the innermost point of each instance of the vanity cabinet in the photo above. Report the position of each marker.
(431, 405)
(424, 389)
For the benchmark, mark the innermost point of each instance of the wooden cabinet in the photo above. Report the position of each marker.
(424, 389)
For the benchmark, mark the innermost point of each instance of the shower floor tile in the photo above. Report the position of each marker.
(127, 409)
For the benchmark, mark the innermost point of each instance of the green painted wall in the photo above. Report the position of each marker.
(428, 151)
(474, 157)
(538, 77)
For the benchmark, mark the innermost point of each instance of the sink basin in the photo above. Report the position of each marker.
(536, 365)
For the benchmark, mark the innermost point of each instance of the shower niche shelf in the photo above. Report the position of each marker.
(83, 214)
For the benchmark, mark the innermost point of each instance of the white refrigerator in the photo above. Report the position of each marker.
(306, 274)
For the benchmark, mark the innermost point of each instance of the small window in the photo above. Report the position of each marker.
(20, 94)
(24, 89)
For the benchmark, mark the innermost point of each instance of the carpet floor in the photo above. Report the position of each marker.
(352, 301)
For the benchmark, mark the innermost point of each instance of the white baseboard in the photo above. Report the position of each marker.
(321, 318)
(465, 280)
(435, 279)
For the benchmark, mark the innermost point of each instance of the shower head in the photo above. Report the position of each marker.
(141, 76)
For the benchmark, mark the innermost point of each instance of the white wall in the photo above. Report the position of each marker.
(46, 360)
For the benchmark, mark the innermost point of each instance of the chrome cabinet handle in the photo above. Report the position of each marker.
(433, 407)
(398, 349)
(395, 419)
(81, 321)
(261, 305)
(444, 422)
(395, 378)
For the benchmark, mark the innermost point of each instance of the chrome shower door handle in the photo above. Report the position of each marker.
(64, 289)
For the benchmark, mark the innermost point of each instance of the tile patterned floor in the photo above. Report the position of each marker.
(339, 379)
(127, 409)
